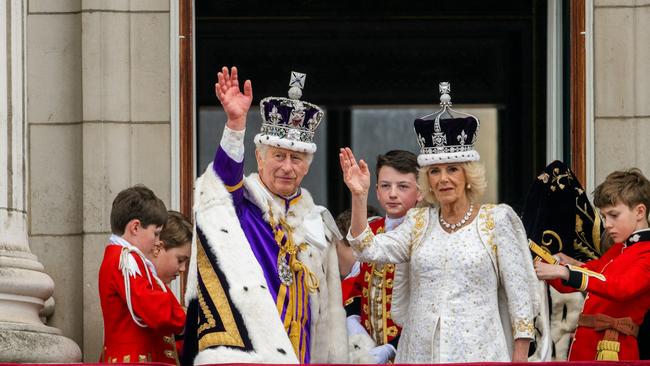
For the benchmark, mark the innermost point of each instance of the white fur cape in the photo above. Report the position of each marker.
(312, 224)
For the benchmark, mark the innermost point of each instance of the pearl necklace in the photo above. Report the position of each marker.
(459, 224)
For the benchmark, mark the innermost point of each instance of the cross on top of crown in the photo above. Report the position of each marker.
(445, 88)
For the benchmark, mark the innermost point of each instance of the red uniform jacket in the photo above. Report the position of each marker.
(124, 340)
(621, 290)
(378, 323)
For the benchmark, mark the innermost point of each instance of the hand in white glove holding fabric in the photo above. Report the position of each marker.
(383, 353)
(353, 323)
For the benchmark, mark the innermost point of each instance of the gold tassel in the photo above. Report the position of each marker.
(607, 350)
(294, 337)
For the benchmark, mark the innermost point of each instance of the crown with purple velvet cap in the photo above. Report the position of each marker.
(447, 136)
(290, 123)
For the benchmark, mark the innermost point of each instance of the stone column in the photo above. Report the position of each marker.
(24, 286)
(125, 125)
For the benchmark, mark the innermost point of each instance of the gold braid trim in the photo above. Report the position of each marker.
(235, 187)
(607, 350)
(295, 308)
(229, 336)
(311, 280)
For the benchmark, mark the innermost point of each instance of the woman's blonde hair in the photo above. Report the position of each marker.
(474, 176)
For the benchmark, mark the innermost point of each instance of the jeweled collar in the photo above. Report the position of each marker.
(638, 236)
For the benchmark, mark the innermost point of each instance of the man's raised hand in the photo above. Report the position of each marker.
(235, 103)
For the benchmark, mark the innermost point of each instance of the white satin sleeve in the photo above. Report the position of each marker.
(399, 305)
(516, 271)
(232, 142)
(394, 246)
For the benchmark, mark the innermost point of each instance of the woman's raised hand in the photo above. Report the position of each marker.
(356, 175)
(235, 103)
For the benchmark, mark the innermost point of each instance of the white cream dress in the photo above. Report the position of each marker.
(471, 291)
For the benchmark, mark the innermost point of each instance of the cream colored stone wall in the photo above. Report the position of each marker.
(621, 85)
(98, 87)
(54, 102)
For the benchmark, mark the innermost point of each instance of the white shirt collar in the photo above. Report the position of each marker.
(391, 224)
(118, 240)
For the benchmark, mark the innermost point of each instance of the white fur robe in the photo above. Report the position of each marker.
(312, 224)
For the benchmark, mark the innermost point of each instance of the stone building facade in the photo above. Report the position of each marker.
(88, 101)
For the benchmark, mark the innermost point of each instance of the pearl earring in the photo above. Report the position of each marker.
(469, 186)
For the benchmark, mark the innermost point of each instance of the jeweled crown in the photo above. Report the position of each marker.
(447, 136)
(289, 122)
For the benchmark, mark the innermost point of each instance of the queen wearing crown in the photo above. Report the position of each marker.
(263, 284)
(472, 290)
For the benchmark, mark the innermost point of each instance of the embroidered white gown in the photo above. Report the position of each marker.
(453, 311)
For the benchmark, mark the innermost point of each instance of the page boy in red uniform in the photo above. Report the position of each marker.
(170, 258)
(139, 310)
(618, 283)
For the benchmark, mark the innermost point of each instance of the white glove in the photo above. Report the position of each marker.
(353, 323)
(383, 353)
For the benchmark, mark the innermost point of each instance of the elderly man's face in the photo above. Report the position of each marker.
(282, 170)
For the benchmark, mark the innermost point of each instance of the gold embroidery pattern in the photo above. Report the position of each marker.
(366, 240)
(170, 354)
(366, 276)
(144, 358)
(391, 331)
(488, 225)
(523, 326)
(126, 358)
(547, 239)
(418, 227)
(582, 244)
(230, 335)
(556, 179)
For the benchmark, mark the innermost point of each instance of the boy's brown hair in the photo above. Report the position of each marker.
(403, 161)
(137, 202)
(177, 231)
(344, 220)
(625, 186)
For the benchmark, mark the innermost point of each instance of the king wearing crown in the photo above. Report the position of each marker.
(263, 283)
